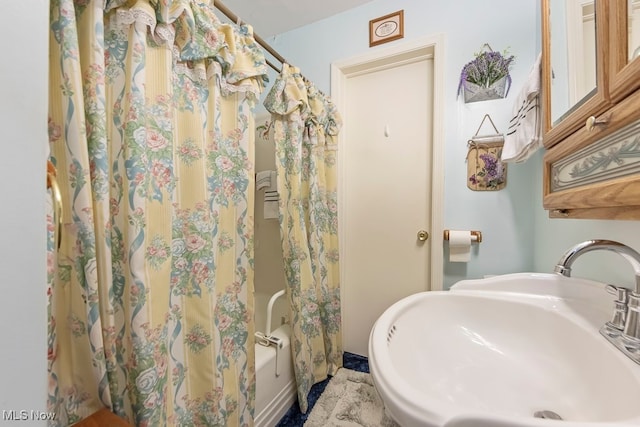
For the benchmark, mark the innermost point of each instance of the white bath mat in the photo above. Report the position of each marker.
(350, 400)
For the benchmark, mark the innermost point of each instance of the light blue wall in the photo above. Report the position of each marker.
(555, 236)
(518, 234)
(505, 217)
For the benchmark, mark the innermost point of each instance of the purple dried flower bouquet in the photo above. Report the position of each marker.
(489, 68)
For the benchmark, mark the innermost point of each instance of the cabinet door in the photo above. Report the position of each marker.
(575, 46)
(596, 174)
(624, 45)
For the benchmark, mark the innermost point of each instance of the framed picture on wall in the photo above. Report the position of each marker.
(386, 28)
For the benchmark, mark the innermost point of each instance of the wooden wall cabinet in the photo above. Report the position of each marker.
(592, 162)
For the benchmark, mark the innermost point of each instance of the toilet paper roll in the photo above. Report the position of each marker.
(459, 245)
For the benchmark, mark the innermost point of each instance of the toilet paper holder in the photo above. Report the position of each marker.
(476, 236)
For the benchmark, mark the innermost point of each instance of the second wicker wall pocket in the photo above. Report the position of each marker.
(485, 170)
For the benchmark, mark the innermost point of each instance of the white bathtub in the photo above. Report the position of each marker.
(275, 381)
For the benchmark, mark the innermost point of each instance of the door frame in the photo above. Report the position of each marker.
(383, 58)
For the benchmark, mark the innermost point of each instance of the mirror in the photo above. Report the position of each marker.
(633, 11)
(572, 45)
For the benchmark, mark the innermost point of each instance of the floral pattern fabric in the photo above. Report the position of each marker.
(305, 126)
(485, 170)
(151, 292)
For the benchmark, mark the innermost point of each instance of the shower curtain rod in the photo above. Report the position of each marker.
(233, 17)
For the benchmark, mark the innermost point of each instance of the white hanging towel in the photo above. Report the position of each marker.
(271, 199)
(263, 179)
(524, 135)
(268, 181)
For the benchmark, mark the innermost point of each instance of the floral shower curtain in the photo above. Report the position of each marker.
(151, 292)
(306, 124)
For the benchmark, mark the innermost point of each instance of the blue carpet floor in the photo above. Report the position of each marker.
(294, 418)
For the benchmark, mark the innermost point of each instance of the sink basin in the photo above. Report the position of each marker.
(496, 351)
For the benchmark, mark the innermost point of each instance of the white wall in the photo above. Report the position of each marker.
(23, 120)
(504, 217)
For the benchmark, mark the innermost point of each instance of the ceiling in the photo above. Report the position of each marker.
(271, 17)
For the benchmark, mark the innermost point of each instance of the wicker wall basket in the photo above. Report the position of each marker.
(486, 76)
(485, 170)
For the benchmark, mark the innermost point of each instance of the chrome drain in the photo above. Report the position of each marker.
(548, 415)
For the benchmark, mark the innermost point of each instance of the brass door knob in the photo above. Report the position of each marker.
(423, 235)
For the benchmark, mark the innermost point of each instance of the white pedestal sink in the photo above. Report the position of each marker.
(496, 351)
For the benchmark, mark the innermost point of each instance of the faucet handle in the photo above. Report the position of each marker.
(631, 334)
(621, 293)
(620, 311)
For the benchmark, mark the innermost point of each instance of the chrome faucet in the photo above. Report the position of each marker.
(564, 265)
(623, 330)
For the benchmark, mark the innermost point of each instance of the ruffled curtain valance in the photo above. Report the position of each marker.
(203, 46)
(291, 92)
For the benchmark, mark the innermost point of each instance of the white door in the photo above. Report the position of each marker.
(387, 192)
